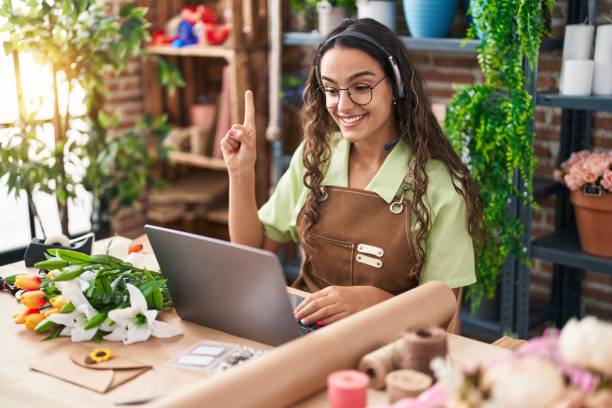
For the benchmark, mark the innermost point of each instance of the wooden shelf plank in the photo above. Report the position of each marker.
(196, 160)
(193, 51)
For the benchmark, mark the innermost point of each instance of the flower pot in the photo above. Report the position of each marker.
(594, 220)
(382, 11)
(329, 16)
(430, 18)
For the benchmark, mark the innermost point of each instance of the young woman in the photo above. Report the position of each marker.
(375, 195)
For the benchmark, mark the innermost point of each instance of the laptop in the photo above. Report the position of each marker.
(225, 286)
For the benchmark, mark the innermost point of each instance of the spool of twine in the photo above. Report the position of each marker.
(379, 363)
(406, 384)
(416, 349)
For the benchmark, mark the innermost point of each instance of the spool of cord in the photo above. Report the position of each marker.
(379, 363)
(347, 389)
(418, 348)
(406, 384)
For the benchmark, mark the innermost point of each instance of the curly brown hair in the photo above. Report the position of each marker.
(413, 117)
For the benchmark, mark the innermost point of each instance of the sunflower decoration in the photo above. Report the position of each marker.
(99, 355)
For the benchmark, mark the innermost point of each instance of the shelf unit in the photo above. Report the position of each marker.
(244, 54)
(562, 247)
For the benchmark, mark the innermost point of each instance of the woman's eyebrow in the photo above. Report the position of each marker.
(352, 77)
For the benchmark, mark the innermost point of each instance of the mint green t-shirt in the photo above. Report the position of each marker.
(449, 253)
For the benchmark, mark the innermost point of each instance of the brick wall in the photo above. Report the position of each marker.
(442, 71)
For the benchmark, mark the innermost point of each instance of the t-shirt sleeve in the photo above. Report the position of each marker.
(277, 214)
(449, 253)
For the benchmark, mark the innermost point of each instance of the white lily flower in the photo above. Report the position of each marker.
(118, 247)
(137, 323)
(74, 321)
(139, 260)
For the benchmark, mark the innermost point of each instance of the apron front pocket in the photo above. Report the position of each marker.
(332, 261)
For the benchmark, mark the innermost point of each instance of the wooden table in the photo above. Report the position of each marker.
(19, 386)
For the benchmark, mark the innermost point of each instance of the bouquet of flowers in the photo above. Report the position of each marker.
(587, 169)
(94, 297)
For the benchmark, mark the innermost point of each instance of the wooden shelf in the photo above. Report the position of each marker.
(196, 160)
(218, 215)
(193, 51)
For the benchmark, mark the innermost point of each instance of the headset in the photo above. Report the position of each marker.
(399, 82)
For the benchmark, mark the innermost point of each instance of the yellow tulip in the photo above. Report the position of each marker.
(58, 301)
(31, 321)
(34, 299)
(51, 311)
(19, 317)
(27, 282)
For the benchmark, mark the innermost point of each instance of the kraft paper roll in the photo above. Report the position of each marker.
(603, 43)
(577, 78)
(578, 41)
(406, 384)
(295, 370)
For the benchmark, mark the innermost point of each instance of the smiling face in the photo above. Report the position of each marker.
(373, 123)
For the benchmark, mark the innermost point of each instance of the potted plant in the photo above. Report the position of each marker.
(430, 18)
(382, 11)
(490, 127)
(588, 175)
(82, 44)
(329, 13)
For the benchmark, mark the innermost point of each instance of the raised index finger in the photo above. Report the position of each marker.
(249, 110)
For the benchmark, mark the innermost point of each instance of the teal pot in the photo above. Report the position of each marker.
(430, 18)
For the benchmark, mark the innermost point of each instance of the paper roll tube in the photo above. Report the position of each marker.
(406, 384)
(603, 44)
(299, 368)
(602, 78)
(577, 78)
(578, 41)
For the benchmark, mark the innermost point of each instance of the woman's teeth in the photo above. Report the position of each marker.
(351, 120)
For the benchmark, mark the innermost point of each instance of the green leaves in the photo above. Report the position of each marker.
(490, 127)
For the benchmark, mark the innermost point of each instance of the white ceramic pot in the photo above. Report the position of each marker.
(382, 11)
(329, 16)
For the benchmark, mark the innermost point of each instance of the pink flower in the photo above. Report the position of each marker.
(596, 164)
(573, 183)
(575, 158)
(558, 175)
(606, 181)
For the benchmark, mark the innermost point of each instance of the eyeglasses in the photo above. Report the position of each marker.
(359, 94)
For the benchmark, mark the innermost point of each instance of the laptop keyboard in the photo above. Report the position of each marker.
(307, 328)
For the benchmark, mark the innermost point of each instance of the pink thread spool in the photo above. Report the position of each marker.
(347, 389)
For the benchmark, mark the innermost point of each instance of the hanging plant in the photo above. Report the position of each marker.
(491, 126)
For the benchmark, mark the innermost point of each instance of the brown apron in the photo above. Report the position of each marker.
(359, 239)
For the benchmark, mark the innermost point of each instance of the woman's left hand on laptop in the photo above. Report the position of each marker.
(336, 302)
